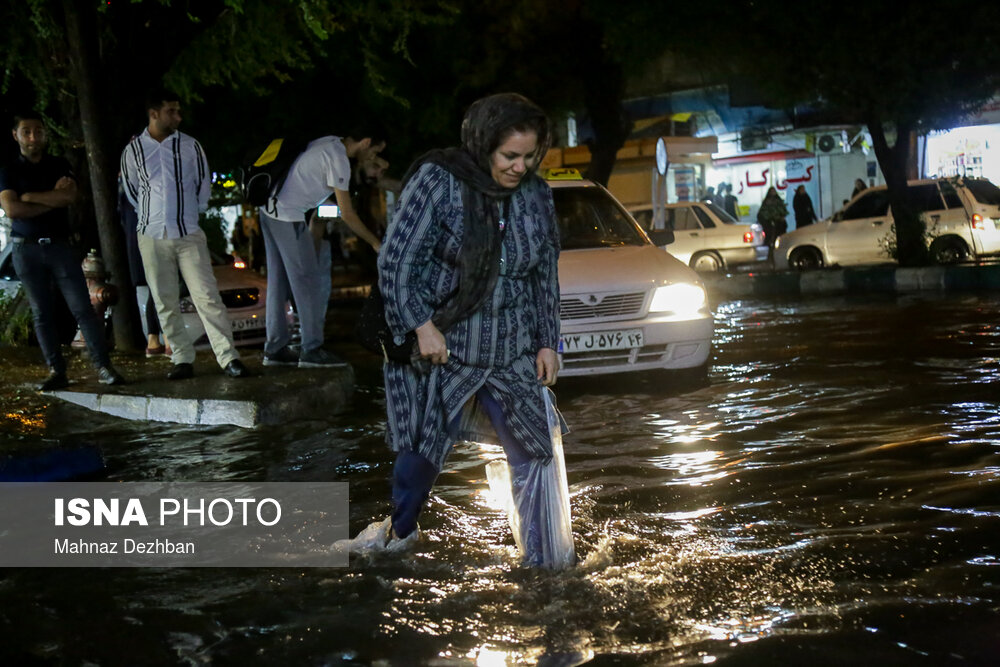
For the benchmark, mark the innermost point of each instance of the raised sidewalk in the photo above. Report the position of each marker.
(273, 395)
(877, 279)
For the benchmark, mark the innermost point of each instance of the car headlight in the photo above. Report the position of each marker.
(679, 298)
(187, 305)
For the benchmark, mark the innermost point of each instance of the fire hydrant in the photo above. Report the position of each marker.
(102, 294)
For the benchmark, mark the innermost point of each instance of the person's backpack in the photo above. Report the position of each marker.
(265, 171)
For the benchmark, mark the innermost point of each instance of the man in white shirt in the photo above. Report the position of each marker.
(321, 171)
(167, 180)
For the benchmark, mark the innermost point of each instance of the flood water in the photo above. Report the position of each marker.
(830, 496)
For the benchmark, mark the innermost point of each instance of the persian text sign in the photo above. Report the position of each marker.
(173, 524)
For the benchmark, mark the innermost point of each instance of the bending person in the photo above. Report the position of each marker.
(322, 171)
(470, 263)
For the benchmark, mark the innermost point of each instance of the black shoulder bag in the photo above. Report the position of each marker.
(372, 331)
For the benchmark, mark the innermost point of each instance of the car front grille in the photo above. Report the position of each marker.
(606, 358)
(247, 334)
(612, 305)
(239, 336)
(243, 297)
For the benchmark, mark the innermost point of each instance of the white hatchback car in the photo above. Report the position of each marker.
(625, 304)
(706, 237)
(962, 219)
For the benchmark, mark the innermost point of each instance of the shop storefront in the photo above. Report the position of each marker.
(970, 151)
(751, 176)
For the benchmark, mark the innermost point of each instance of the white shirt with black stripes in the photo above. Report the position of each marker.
(168, 182)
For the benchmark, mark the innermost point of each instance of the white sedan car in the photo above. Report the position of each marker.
(625, 304)
(244, 294)
(706, 237)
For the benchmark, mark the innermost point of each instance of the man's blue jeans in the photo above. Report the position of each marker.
(42, 268)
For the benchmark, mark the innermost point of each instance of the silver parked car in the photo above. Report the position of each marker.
(706, 237)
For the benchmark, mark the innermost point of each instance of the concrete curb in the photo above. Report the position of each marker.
(274, 397)
(162, 409)
(877, 279)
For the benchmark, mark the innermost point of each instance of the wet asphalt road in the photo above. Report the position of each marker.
(828, 496)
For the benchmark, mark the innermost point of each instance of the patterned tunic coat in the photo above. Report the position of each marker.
(495, 347)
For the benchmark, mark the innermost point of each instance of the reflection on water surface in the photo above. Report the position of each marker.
(829, 495)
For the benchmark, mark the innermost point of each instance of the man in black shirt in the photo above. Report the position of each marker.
(35, 191)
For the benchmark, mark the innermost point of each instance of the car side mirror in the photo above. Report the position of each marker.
(662, 236)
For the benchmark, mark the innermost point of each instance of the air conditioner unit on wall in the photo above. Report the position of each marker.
(827, 143)
(833, 143)
(754, 140)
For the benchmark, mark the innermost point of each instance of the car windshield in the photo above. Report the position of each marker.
(984, 192)
(590, 218)
(721, 214)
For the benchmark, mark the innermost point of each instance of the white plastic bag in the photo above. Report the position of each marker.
(535, 497)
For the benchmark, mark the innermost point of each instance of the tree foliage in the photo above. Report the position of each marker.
(566, 55)
(87, 65)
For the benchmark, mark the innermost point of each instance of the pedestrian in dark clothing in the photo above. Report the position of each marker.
(469, 264)
(248, 243)
(709, 196)
(35, 192)
(859, 186)
(130, 220)
(771, 216)
(803, 206)
(729, 202)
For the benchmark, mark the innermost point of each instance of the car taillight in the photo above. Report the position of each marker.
(977, 221)
(239, 264)
(748, 237)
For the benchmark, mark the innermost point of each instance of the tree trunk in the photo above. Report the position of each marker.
(603, 90)
(911, 247)
(81, 34)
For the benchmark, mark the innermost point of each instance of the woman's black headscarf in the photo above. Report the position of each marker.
(486, 123)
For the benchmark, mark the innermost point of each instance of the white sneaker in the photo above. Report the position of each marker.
(401, 544)
(378, 537)
(373, 538)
